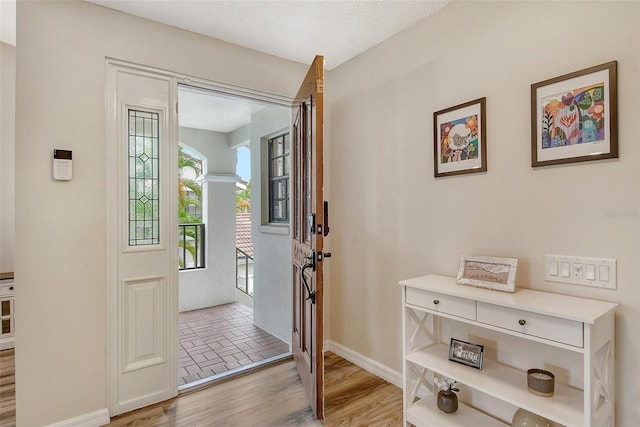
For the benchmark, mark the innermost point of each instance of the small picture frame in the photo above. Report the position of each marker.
(488, 272)
(466, 353)
(574, 117)
(459, 140)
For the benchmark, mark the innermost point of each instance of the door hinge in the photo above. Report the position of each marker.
(176, 108)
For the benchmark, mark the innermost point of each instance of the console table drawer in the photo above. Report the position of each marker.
(442, 303)
(6, 290)
(538, 325)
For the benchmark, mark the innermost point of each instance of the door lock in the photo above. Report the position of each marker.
(323, 255)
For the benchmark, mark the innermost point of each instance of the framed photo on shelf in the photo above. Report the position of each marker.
(459, 141)
(488, 272)
(574, 117)
(466, 353)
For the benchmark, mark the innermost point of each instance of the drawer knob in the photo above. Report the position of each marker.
(11, 288)
(436, 301)
(522, 322)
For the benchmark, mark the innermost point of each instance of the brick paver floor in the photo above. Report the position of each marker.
(214, 340)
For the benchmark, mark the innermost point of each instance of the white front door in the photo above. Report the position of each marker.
(142, 239)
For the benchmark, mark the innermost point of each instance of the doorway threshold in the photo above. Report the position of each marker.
(234, 373)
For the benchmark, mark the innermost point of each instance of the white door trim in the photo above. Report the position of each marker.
(120, 360)
(223, 89)
(113, 247)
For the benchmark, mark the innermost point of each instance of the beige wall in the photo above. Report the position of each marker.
(7, 154)
(271, 250)
(215, 284)
(392, 220)
(61, 226)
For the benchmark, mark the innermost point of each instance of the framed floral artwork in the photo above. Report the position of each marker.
(574, 117)
(459, 143)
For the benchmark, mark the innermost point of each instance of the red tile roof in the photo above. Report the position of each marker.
(243, 232)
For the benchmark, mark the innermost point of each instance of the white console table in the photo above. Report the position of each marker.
(577, 325)
(7, 318)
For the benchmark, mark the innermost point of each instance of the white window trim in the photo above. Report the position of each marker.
(265, 182)
(273, 228)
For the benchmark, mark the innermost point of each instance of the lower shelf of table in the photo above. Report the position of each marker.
(425, 413)
(505, 383)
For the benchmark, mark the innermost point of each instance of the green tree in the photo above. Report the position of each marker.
(243, 199)
(185, 185)
(189, 194)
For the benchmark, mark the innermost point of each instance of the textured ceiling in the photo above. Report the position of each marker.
(295, 30)
(292, 29)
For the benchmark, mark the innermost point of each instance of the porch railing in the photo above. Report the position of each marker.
(191, 240)
(244, 261)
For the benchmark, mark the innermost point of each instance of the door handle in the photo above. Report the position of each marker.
(311, 263)
(311, 295)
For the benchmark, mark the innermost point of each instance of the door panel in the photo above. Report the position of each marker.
(307, 235)
(143, 318)
(142, 243)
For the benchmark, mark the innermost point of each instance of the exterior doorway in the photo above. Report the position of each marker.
(234, 281)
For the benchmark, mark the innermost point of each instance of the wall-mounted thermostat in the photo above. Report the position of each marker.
(62, 166)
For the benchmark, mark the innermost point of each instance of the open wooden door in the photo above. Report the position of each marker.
(308, 231)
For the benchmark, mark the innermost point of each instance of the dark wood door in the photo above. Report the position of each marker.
(308, 232)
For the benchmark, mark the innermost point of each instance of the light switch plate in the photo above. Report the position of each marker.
(595, 272)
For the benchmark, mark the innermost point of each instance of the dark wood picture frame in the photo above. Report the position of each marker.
(469, 152)
(574, 117)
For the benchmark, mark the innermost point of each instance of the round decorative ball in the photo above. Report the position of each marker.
(523, 418)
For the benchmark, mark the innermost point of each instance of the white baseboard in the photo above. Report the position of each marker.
(92, 419)
(376, 368)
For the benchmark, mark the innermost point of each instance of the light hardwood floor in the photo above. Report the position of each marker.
(270, 397)
(355, 397)
(7, 388)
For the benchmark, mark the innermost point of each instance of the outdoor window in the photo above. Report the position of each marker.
(144, 181)
(279, 149)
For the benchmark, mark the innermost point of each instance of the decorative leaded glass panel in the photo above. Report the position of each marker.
(144, 178)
